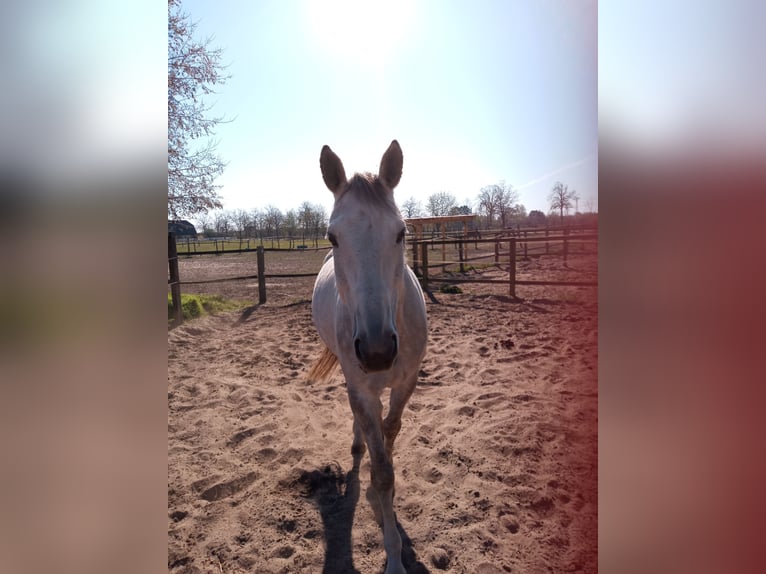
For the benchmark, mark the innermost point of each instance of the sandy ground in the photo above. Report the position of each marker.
(496, 462)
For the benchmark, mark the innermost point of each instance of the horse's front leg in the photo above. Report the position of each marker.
(392, 424)
(367, 415)
(358, 446)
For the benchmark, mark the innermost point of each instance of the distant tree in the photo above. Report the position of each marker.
(536, 218)
(460, 210)
(439, 204)
(497, 199)
(561, 198)
(312, 220)
(193, 72)
(411, 208)
(305, 219)
(255, 229)
(290, 226)
(241, 219)
(204, 223)
(507, 202)
(320, 223)
(487, 204)
(221, 223)
(273, 219)
(518, 213)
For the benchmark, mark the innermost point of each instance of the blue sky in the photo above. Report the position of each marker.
(475, 92)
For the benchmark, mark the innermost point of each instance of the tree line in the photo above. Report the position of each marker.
(307, 223)
(496, 207)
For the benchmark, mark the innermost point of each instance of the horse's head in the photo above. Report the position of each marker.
(367, 234)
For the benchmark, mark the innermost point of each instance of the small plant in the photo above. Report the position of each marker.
(450, 289)
(198, 305)
(192, 306)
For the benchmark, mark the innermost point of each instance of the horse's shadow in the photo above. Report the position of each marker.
(336, 495)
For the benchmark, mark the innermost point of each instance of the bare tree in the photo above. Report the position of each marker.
(290, 226)
(221, 223)
(204, 222)
(255, 228)
(411, 208)
(507, 201)
(561, 198)
(487, 203)
(305, 219)
(499, 198)
(254, 218)
(241, 219)
(320, 223)
(193, 72)
(439, 204)
(312, 218)
(274, 220)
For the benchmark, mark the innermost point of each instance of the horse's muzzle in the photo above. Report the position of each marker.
(376, 354)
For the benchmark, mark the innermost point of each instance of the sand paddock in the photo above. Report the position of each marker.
(496, 462)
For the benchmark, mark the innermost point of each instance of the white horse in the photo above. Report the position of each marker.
(370, 313)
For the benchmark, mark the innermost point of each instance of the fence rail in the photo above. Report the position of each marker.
(219, 246)
(422, 266)
(516, 240)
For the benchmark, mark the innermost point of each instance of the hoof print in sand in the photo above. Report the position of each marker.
(228, 488)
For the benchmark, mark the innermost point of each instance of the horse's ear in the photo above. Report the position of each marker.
(332, 170)
(391, 166)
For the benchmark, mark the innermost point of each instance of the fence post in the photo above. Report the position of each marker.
(547, 245)
(424, 264)
(415, 253)
(512, 269)
(175, 285)
(497, 252)
(566, 245)
(261, 276)
(526, 257)
(460, 255)
(444, 246)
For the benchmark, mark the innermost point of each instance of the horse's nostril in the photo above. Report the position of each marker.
(358, 348)
(396, 345)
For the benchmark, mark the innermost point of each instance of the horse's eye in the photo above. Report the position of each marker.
(400, 237)
(332, 239)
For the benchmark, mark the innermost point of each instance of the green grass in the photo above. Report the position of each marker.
(451, 289)
(199, 305)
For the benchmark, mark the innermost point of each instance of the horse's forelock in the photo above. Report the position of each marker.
(368, 188)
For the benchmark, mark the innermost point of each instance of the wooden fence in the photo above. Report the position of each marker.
(228, 245)
(518, 247)
(175, 282)
(552, 236)
(518, 242)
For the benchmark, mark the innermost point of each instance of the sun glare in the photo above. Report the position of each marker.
(362, 32)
